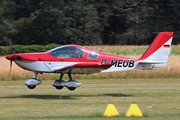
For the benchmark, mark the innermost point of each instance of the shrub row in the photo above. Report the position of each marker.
(4, 50)
(119, 50)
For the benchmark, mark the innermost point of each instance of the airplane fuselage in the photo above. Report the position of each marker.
(46, 63)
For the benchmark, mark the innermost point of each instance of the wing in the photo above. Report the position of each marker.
(82, 68)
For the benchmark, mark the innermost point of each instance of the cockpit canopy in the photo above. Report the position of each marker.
(67, 52)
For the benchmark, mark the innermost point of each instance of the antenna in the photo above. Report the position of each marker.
(112, 34)
(105, 45)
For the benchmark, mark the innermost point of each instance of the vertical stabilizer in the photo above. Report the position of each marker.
(159, 49)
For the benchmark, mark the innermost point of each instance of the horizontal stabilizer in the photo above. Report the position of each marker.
(151, 62)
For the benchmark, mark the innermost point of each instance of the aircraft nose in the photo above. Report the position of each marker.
(9, 57)
(13, 57)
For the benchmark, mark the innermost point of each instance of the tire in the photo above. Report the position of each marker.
(71, 88)
(59, 87)
(31, 86)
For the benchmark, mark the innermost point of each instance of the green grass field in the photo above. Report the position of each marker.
(157, 93)
(158, 99)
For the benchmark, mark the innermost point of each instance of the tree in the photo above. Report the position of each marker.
(64, 22)
(165, 16)
(7, 27)
(124, 21)
(87, 22)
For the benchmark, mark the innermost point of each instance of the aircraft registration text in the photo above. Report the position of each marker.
(119, 63)
(123, 63)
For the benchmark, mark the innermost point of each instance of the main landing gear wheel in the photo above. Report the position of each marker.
(71, 88)
(59, 87)
(71, 84)
(59, 84)
(31, 86)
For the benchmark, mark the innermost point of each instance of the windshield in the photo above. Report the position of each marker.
(67, 52)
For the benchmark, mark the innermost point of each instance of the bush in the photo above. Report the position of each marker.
(4, 50)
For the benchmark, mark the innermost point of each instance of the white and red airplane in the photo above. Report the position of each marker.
(75, 59)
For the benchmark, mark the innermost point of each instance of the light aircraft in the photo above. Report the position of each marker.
(75, 59)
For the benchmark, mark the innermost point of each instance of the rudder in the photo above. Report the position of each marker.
(159, 50)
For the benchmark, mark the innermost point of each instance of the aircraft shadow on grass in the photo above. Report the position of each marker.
(45, 97)
(118, 95)
(68, 97)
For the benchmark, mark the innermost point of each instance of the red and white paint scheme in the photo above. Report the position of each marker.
(75, 59)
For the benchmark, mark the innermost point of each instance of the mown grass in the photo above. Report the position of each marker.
(158, 99)
(157, 93)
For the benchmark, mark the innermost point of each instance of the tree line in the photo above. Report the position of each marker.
(87, 22)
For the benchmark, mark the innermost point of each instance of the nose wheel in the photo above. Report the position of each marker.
(31, 83)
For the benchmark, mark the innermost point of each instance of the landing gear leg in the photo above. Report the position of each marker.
(71, 80)
(35, 75)
(69, 75)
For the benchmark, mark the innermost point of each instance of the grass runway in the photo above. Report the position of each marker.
(157, 93)
(158, 99)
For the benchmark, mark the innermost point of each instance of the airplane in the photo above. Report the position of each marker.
(74, 59)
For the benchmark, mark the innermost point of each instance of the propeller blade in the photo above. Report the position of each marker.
(10, 66)
(10, 42)
(10, 46)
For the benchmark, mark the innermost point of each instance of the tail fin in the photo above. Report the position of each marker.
(159, 50)
(155, 56)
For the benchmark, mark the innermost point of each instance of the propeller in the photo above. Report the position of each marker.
(10, 53)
